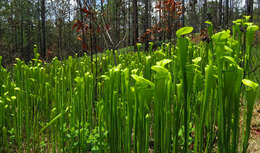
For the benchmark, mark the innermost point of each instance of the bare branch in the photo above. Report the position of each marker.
(121, 41)
(109, 36)
(105, 39)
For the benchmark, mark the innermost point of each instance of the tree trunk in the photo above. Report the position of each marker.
(60, 37)
(102, 13)
(117, 20)
(231, 10)
(146, 22)
(69, 44)
(94, 30)
(193, 15)
(21, 29)
(91, 38)
(258, 7)
(28, 33)
(39, 26)
(150, 16)
(129, 22)
(183, 12)
(204, 16)
(169, 26)
(15, 31)
(250, 4)
(124, 23)
(82, 29)
(43, 49)
(220, 13)
(227, 13)
(135, 23)
(160, 15)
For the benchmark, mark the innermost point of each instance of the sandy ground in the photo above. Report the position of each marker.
(254, 143)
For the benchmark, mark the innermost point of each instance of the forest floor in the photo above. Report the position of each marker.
(254, 142)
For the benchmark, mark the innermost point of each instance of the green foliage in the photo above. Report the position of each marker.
(91, 140)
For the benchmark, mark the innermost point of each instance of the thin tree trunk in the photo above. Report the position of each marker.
(150, 16)
(1, 30)
(231, 9)
(129, 22)
(227, 12)
(220, 13)
(124, 14)
(183, 12)
(94, 29)
(117, 18)
(60, 37)
(28, 36)
(102, 13)
(43, 9)
(39, 26)
(21, 29)
(102, 7)
(258, 7)
(250, 4)
(146, 22)
(15, 30)
(160, 15)
(91, 38)
(114, 10)
(135, 23)
(204, 16)
(96, 52)
(82, 29)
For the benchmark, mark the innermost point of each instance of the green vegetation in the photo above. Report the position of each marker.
(180, 98)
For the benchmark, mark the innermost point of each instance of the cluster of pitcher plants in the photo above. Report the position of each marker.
(187, 98)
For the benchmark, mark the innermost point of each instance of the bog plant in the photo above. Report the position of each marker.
(180, 98)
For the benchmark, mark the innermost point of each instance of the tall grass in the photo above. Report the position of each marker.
(179, 98)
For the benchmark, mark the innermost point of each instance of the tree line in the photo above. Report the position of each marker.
(67, 27)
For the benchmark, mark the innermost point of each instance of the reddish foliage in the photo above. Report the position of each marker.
(108, 27)
(85, 28)
(149, 31)
(84, 46)
(50, 54)
(98, 29)
(171, 9)
(99, 48)
(79, 38)
(74, 26)
(203, 36)
(85, 10)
